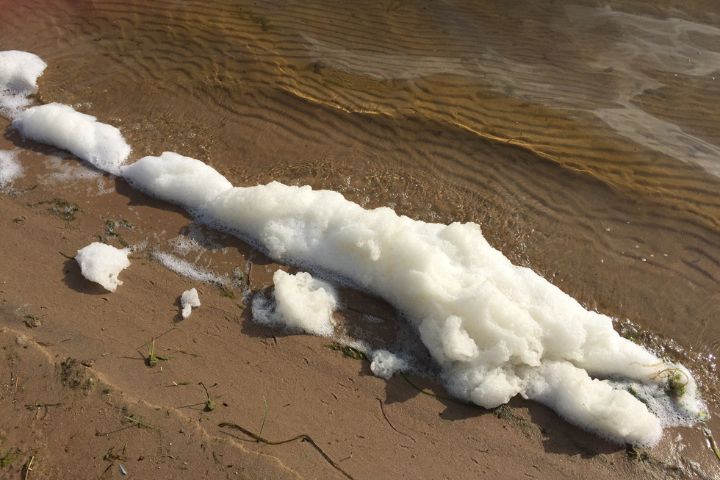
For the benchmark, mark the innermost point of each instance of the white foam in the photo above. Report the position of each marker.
(63, 171)
(19, 72)
(102, 263)
(10, 168)
(385, 364)
(187, 269)
(301, 303)
(188, 300)
(99, 144)
(183, 245)
(177, 179)
(497, 330)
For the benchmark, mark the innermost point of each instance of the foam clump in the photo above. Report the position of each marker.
(177, 179)
(496, 330)
(385, 364)
(493, 327)
(102, 263)
(19, 72)
(99, 144)
(10, 168)
(301, 303)
(188, 300)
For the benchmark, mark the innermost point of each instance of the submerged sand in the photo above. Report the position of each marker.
(468, 134)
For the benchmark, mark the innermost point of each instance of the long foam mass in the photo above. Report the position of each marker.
(496, 329)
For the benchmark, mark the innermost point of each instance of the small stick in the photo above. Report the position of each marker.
(712, 442)
(151, 358)
(382, 409)
(303, 437)
(134, 422)
(425, 391)
(158, 337)
(209, 402)
(28, 468)
(262, 425)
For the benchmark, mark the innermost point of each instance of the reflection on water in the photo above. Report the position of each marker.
(584, 138)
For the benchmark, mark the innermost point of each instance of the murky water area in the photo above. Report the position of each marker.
(584, 137)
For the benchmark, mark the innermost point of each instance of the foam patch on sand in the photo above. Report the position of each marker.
(102, 263)
(301, 302)
(99, 144)
(19, 72)
(62, 170)
(10, 168)
(188, 300)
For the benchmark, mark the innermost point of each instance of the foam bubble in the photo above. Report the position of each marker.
(102, 263)
(99, 144)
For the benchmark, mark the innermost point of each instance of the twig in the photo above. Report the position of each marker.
(425, 391)
(262, 425)
(209, 402)
(28, 468)
(35, 407)
(152, 357)
(157, 337)
(178, 384)
(712, 442)
(134, 422)
(302, 437)
(139, 423)
(382, 409)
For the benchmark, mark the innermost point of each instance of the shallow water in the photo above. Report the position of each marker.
(583, 138)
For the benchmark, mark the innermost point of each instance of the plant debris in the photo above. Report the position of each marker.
(60, 208)
(302, 437)
(347, 351)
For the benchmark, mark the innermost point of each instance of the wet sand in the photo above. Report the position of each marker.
(581, 139)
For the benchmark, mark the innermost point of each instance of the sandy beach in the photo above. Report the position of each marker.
(554, 168)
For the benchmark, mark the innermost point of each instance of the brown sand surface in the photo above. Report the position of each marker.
(542, 126)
